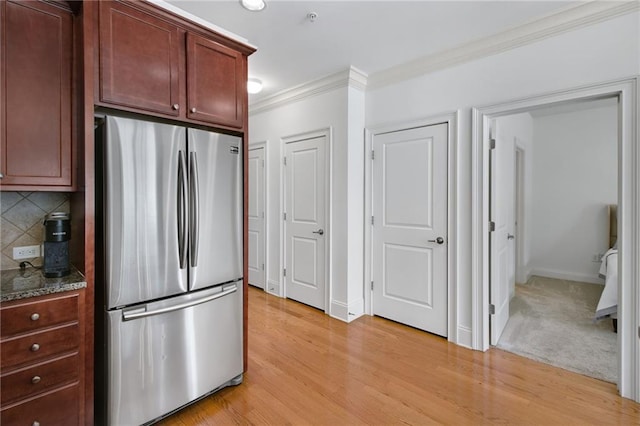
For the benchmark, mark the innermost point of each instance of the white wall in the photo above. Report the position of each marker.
(575, 168)
(341, 110)
(516, 131)
(601, 52)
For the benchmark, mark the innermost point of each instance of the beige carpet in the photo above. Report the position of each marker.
(552, 321)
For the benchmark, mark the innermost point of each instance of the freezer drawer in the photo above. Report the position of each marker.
(164, 355)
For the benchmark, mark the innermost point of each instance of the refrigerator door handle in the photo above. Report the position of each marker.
(141, 313)
(182, 206)
(194, 207)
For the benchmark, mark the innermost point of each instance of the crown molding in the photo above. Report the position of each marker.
(351, 77)
(567, 19)
(193, 18)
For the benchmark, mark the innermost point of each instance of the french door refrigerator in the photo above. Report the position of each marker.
(171, 223)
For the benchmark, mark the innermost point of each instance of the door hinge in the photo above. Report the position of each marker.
(284, 216)
(263, 215)
(373, 155)
(263, 266)
(371, 285)
(492, 309)
(284, 160)
(492, 226)
(262, 163)
(372, 220)
(284, 272)
(492, 144)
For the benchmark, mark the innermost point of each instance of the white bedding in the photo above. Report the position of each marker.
(608, 304)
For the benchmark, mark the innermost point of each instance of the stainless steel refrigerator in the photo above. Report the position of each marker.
(170, 218)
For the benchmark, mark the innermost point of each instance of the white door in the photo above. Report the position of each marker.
(256, 217)
(305, 221)
(410, 227)
(501, 208)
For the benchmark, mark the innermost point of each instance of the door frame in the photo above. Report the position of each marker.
(455, 333)
(626, 90)
(328, 167)
(263, 145)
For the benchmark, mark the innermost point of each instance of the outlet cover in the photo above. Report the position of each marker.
(26, 252)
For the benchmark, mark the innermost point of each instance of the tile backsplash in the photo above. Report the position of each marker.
(22, 216)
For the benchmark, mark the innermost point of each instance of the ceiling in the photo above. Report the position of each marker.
(369, 35)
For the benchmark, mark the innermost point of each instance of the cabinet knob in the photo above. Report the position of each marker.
(35, 316)
(35, 379)
(1, 175)
(193, 110)
(35, 347)
(36, 423)
(175, 107)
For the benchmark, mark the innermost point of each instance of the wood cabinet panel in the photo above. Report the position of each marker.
(38, 378)
(37, 58)
(29, 316)
(139, 56)
(42, 361)
(21, 350)
(58, 408)
(215, 82)
(154, 62)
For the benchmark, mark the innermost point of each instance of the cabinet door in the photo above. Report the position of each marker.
(139, 56)
(215, 82)
(37, 54)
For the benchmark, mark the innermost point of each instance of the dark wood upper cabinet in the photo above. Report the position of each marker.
(37, 63)
(139, 59)
(152, 61)
(215, 82)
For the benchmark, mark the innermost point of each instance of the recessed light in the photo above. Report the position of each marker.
(253, 5)
(254, 86)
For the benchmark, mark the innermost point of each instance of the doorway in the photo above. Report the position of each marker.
(628, 197)
(573, 178)
(305, 216)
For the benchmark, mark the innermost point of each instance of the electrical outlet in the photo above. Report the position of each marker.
(26, 252)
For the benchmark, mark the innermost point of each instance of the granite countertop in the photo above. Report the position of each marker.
(24, 283)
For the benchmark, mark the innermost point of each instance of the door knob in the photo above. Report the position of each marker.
(510, 237)
(438, 240)
(319, 232)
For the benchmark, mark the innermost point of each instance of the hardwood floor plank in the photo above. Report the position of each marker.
(306, 368)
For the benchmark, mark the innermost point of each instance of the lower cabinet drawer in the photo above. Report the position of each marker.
(58, 408)
(29, 316)
(38, 378)
(36, 346)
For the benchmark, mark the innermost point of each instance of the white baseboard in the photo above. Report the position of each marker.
(273, 287)
(464, 337)
(347, 313)
(564, 275)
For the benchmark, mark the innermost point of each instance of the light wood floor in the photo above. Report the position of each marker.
(307, 368)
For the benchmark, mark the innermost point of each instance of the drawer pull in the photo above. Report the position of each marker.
(35, 316)
(35, 380)
(35, 347)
